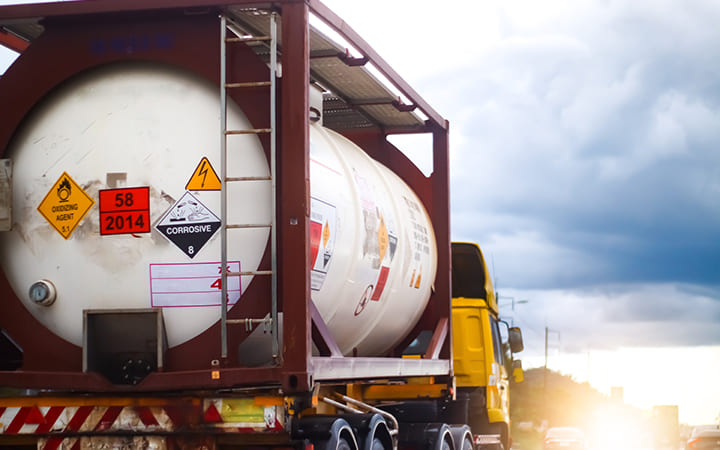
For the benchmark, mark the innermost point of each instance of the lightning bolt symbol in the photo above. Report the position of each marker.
(203, 172)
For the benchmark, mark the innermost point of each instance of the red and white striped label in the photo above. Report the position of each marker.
(48, 419)
(80, 419)
(83, 427)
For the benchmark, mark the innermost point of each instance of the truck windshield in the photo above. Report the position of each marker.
(468, 272)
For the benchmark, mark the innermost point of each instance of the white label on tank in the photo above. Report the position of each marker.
(323, 229)
(419, 241)
(192, 284)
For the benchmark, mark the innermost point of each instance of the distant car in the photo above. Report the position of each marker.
(565, 438)
(705, 437)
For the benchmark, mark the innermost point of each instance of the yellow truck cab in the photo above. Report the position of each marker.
(479, 355)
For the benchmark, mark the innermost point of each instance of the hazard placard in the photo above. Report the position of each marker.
(65, 205)
(383, 240)
(204, 178)
(323, 229)
(188, 224)
(125, 211)
(380, 285)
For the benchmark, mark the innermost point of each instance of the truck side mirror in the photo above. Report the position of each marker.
(518, 374)
(515, 339)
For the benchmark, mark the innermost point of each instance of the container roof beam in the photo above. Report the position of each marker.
(357, 98)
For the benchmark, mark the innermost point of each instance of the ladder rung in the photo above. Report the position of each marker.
(250, 272)
(249, 39)
(248, 84)
(248, 321)
(248, 178)
(251, 131)
(249, 225)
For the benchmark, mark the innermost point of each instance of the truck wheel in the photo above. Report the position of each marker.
(343, 444)
(462, 437)
(326, 433)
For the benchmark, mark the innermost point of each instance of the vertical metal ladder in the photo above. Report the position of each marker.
(224, 178)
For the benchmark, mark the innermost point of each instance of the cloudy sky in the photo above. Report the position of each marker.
(585, 148)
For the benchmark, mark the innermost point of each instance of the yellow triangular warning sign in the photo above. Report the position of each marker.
(204, 178)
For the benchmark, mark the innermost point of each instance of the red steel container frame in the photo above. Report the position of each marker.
(51, 362)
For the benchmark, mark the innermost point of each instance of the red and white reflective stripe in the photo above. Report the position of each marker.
(46, 419)
(487, 439)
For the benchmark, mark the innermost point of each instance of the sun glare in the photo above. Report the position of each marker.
(683, 376)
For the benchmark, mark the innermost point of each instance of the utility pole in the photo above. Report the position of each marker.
(545, 396)
(588, 367)
(545, 371)
(546, 355)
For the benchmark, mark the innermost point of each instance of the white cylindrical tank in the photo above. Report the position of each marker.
(151, 126)
(373, 248)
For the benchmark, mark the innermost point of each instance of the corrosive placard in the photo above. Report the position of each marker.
(65, 205)
(192, 284)
(188, 224)
(204, 178)
(125, 211)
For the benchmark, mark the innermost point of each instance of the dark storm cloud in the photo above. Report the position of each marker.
(599, 147)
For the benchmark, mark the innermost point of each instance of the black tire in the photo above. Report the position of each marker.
(343, 444)
(377, 444)
(446, 444)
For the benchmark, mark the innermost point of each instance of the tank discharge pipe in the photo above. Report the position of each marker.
(366, 407)
(340, 405)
